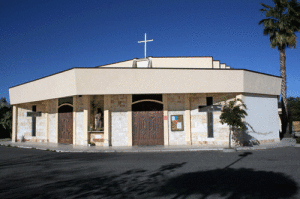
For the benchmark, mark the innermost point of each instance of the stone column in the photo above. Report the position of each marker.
(15, 123)
(129, 120)
(86, 111)
(74, 119)
(166, 120)
(56, 120)
(107, 127)
(188, 119)
(46, 121)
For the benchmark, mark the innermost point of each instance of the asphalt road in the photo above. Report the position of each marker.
(30, 173)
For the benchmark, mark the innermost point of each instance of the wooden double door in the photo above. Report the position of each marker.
(147, 125)
(65, 124)
(147, 128)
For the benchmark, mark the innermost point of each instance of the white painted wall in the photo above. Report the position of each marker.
(142, 64)
(262, 117)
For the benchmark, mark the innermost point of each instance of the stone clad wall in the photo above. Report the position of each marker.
(176, 106)
(199, 121)
(24, 122)
(79, 120)
(52, 123)
(24, 129)
(119, 123)
(40, 124)
(97, 138)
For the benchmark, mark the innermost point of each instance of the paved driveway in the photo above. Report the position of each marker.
(30, 173)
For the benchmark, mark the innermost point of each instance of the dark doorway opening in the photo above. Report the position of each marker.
(147, 106)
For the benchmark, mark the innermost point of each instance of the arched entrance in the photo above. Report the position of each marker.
(147, 122)
(65, 124)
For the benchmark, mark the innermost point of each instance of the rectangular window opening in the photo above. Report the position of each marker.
(210, 118)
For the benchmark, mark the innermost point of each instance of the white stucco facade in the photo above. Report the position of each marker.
(262, 119)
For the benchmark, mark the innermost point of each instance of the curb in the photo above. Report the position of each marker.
(229, 150)
(238, 149)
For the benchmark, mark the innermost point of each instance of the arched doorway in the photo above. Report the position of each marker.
(65, 124)
(147, 122)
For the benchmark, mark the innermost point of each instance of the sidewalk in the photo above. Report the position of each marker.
(134, 149)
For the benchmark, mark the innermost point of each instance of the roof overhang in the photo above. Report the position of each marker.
(105, 81)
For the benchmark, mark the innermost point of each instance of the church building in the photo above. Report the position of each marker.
(149, 101)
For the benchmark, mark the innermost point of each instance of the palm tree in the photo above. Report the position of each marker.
(282, 21)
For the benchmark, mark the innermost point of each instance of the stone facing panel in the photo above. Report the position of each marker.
(79, 120)
(119, 123)
(97, 138)
(25, 123)
(176, 106)
(52, 121)
(40, 124)
(199, 121)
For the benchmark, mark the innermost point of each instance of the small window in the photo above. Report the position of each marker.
(210, 119)
(34, 108)
(209, 101)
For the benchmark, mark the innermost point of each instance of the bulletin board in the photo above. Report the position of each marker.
(177, 123)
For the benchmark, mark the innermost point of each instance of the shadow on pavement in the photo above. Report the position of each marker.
(159, 183)
(230, 183)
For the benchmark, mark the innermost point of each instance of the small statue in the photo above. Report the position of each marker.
(98, 119)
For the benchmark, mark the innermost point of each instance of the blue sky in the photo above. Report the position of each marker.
(42, 37)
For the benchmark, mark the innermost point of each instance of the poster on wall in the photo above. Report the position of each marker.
(177, 123)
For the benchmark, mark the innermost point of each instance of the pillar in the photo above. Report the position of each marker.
(86, 111)
(15, 123)
(107, 137)
(74, 118)
(188, 119)
(56, 120)
(46, 115)
(166, 120)
(129, 120)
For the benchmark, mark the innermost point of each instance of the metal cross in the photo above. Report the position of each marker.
(33, 115)
(210, 117)
(145, 43)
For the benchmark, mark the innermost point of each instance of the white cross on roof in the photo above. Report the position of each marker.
(145, 43)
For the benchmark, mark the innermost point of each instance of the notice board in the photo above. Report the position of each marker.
(177, 123)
